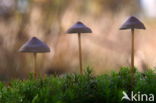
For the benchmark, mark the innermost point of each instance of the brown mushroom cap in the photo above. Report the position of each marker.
(79, 27)
(34, 45)
(132, 23)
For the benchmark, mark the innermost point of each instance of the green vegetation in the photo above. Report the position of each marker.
(75, 88)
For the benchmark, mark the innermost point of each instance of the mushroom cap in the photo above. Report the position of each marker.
(132, 23)
(79, 27)
(34, 45)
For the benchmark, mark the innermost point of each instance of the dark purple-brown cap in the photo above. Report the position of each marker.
(132, 23)
(79, 27)
(34, 45)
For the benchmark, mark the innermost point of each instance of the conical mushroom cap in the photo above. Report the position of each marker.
(34, 45)
(79, 27)
(132, 23)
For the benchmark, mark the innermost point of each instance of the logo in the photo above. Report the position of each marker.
(125, 96)
(137, 96)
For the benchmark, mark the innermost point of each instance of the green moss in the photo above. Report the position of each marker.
(75, 88)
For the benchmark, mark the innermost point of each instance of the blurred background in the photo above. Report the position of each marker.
(106, 49)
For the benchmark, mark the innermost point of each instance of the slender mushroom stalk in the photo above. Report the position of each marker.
(132, 51)
(35, 64)
(132, 23)
(79, 28)
(34, 46)
(80, 55)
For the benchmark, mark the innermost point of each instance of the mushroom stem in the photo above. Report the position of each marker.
(80, 54)
(35, 64)
(132, 55)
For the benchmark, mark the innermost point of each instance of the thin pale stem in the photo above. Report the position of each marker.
(35, 64)
(132, 52)
(132, 59)
(80, 54)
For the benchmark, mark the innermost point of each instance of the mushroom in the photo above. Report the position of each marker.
(79, 28)
(34, 45)
(132, 23)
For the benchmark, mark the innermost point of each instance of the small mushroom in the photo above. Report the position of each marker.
(79, 28)
(132, 23)
(34, 45)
